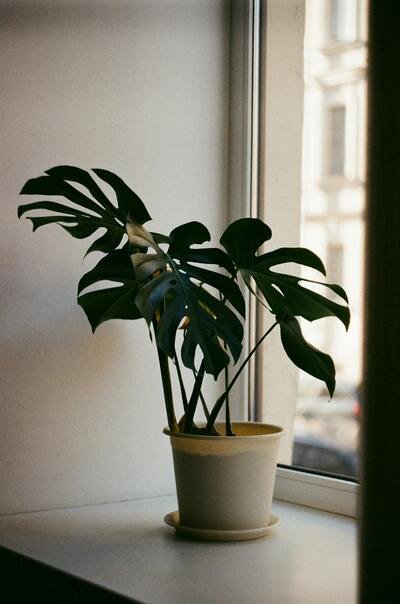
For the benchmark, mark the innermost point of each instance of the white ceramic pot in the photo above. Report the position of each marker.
(225, 483)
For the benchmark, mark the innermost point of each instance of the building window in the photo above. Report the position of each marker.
(344, 20)
(334, 264)
(336, 127)
(338, 20)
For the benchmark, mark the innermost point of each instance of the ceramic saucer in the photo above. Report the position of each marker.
(172, 519)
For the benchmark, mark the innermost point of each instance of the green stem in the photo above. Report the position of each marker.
(228, 425)
(167, 387)
(218, 405)
(181, 384)
(190, 411)
(203, 402)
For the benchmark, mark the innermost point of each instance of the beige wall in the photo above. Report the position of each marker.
(139, 88)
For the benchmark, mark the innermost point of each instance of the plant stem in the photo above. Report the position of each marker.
(167, 388)
(203, 402)
(181, 384)
(190, 411)
(218, 405)
(228, 425)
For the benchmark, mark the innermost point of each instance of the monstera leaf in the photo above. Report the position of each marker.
(82, 216)
(305, 355)
(284, 294)
(176, 283)
(88, 213)
(174, 288)
(116, 302)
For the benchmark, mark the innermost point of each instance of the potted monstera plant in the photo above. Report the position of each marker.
(190, 295)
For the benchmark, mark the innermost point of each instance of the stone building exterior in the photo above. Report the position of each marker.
(333, 189)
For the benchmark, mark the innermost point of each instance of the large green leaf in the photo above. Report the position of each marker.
(184, 236)
(281, 291)
(285, 295)
(129, 204)
(116, 302)
(242, 238)
(183, 290)
(304, 355)
(88, 212)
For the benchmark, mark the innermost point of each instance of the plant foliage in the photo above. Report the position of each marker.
(188, 295)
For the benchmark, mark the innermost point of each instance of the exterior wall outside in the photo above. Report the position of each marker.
(333, 205)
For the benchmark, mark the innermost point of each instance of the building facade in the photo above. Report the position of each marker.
(333, 182)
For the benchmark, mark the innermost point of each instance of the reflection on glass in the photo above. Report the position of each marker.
(333, 198)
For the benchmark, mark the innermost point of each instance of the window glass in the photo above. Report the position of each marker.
(326, 432)
(337, 139)
(337, 20)
(342, 20)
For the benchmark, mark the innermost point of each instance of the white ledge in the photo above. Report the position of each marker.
(316, 491)
(310, 558)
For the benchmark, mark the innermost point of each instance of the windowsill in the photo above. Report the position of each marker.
(126, 547)
(337, 47)
(335, 182)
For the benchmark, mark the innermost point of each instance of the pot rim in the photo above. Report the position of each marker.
(278, 432)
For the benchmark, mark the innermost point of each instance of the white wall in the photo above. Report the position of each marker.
(139, 88)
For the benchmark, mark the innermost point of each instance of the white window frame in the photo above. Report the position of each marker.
(314, 490)
(254, 42)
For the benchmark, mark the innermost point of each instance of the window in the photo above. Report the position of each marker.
(340, 20)
(321, 436)
(335, 258)
(336, 138)
(345, 21)
(326, 434)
